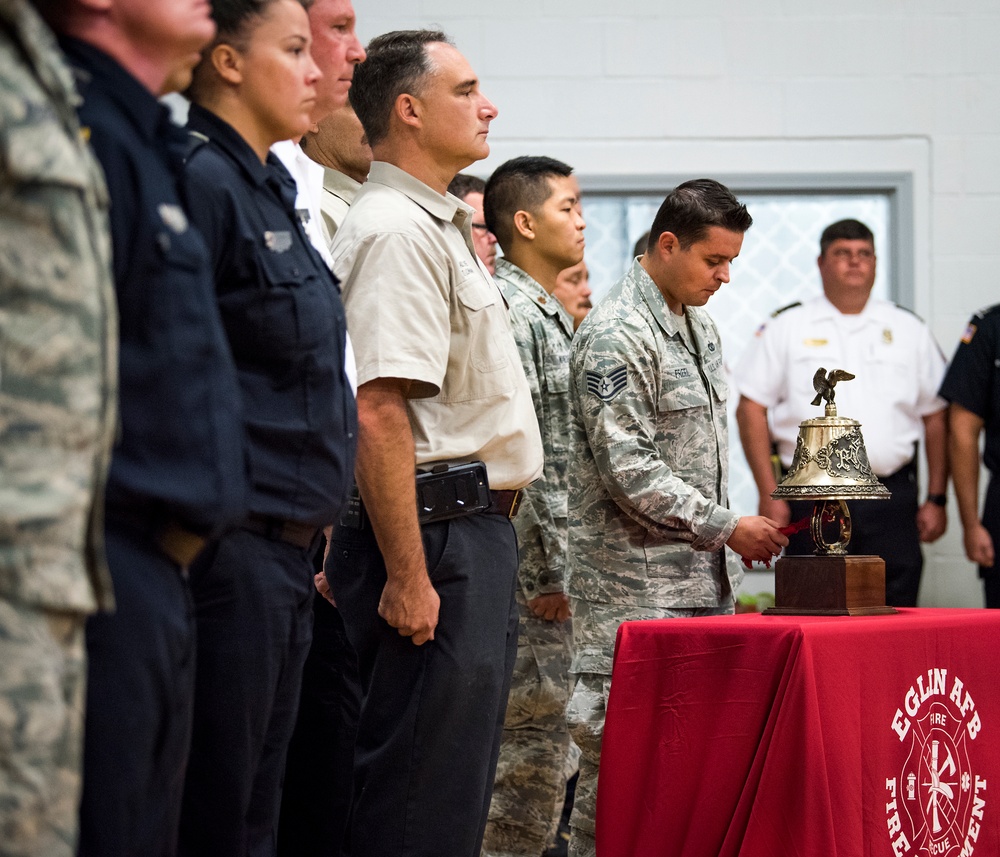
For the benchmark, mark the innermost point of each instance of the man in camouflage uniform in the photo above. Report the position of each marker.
(530, 205)
(57, 397)
(648, 522)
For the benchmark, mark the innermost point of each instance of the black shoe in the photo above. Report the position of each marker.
(560, 847)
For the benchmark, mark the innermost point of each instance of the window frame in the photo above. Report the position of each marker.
(898, 187)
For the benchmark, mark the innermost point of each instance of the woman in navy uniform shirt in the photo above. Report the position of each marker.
(281, 309)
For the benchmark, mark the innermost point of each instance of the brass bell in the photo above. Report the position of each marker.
(830, 466)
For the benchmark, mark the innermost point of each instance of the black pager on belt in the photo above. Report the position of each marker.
(452, 490)
(353, 514)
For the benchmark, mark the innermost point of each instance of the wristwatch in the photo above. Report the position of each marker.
(938, 499)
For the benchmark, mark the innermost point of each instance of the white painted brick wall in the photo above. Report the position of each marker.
(659, 82)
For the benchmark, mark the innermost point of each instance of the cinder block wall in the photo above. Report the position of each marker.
(642, 86)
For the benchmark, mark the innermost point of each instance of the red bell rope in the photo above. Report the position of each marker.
(791, 530)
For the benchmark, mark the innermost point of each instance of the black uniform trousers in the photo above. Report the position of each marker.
(991, 520)
(432, 716)
(885, 528)
(316, 797)
(140, 690)
(253, 605)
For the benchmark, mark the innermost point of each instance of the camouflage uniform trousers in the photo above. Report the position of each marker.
(42, 684)
(595, 627)
(530, 783)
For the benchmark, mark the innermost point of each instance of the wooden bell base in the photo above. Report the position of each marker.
(829, 586)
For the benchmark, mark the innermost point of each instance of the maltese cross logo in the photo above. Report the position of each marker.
(937, 778)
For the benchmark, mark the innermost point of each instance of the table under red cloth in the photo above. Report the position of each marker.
(768, 736)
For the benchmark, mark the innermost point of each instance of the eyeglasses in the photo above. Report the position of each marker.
(481, 226)
(845, 255)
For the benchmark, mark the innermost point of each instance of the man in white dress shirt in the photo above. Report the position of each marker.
(316, 792)
(898, 368)
(336, 49)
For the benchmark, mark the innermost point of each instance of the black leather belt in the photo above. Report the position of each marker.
(276, 529)
(506, 503)
(905, 474)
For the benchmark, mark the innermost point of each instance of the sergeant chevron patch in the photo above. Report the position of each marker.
(609, 385)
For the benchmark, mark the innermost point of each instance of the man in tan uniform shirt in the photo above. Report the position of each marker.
(340, 146)
(429, 607)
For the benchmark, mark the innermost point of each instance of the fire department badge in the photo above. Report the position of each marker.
(936, 802)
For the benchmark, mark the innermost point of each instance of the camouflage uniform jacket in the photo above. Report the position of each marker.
(544, 332)
(58, 358)
(648, 486)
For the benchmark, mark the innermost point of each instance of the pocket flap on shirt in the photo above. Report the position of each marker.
(475, 293)
(679, 393)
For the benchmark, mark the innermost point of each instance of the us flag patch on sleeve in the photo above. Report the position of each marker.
(970, 331)
(608, 385)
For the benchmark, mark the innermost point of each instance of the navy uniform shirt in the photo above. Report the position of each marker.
(180, 454)
(973, 378)
(282, 312)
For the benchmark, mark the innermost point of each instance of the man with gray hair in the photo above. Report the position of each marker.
(336, 50)
(340, 146)
(470, 190)
(648, 523)
(428, 600)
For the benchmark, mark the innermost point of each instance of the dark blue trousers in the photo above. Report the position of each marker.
(991, 520)
(316, 797)
(253, 604)
(432, 716)
(140, 689)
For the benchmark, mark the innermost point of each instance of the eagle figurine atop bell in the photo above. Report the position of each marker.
(830, 467)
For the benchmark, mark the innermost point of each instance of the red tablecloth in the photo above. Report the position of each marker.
(765, 736)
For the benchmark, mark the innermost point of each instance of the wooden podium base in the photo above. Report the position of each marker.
(829, 586)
